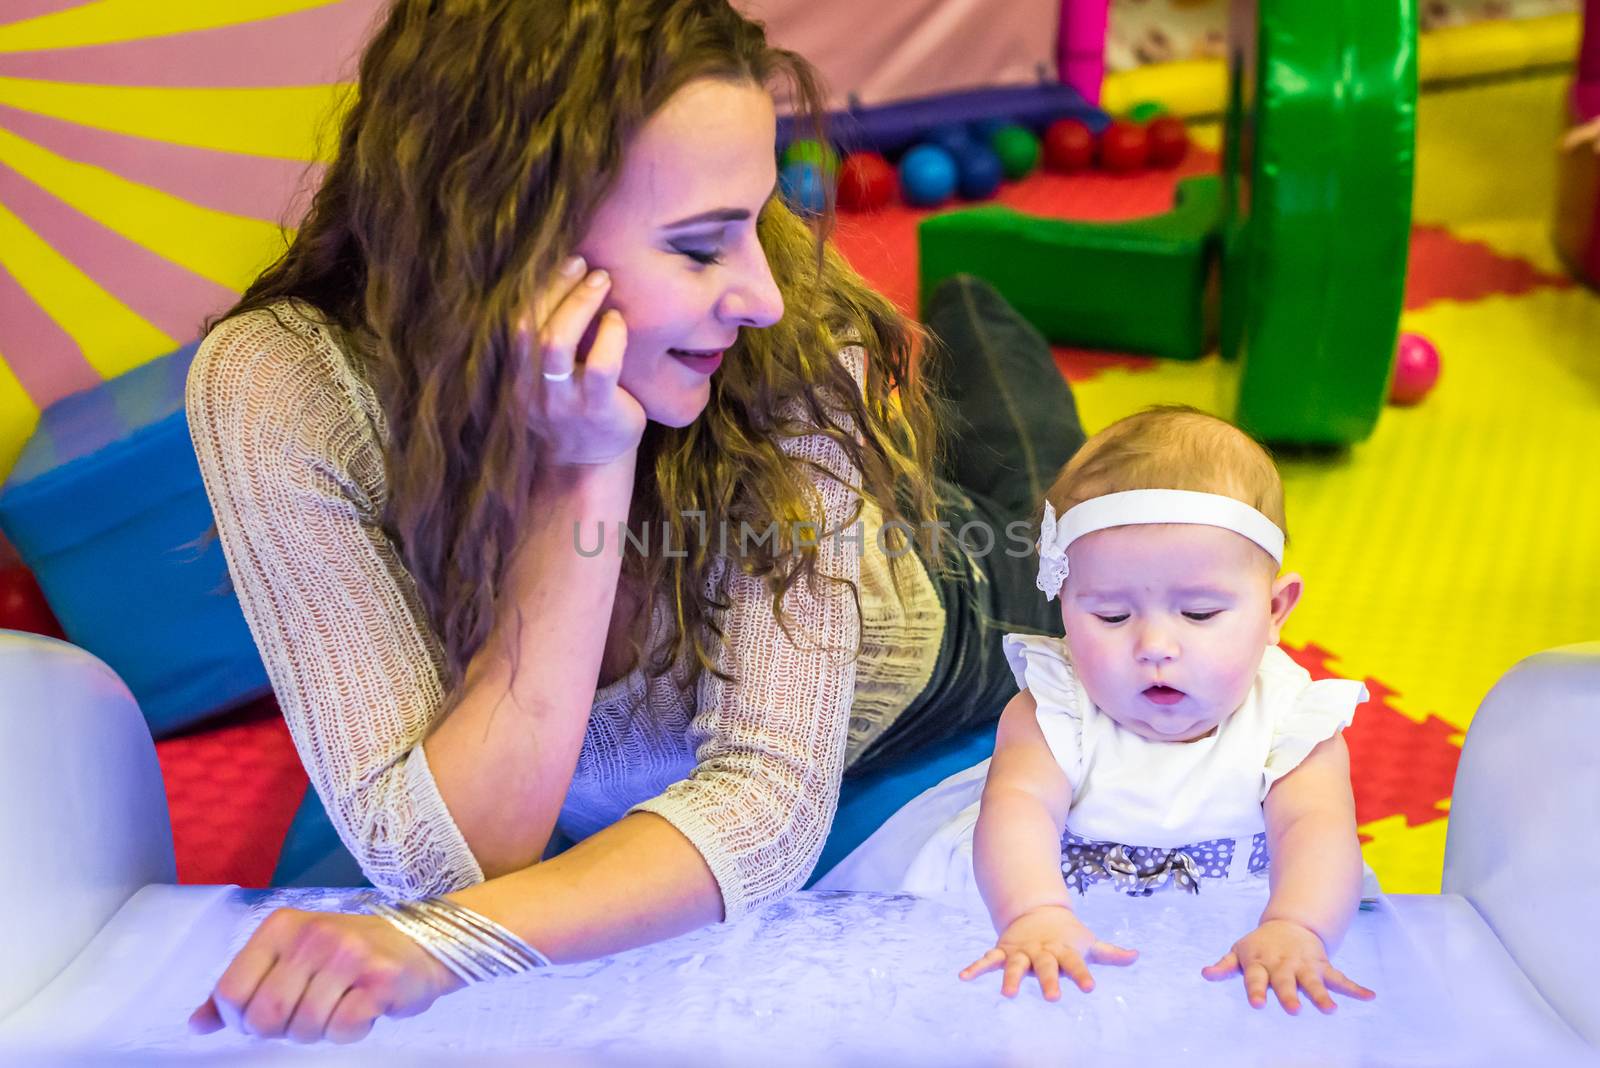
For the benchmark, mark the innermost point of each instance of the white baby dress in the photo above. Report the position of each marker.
(1145, 815)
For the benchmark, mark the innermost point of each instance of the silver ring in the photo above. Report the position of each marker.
(562, 377)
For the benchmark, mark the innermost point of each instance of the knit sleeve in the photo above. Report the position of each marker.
(292, 463)
(770, 740)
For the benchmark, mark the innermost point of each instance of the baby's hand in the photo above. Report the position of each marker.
(1047, 941)
(1589, 132)
(1289, 958)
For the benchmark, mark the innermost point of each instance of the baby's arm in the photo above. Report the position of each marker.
(1017, 859)
(1017, 845)
(1316, 856)
(1316, 886)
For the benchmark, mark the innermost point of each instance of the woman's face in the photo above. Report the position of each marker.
(678, 235)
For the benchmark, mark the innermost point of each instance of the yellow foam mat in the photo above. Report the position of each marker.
(1481, 49)
(1465, 533)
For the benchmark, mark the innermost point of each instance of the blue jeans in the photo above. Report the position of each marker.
(1011, 426)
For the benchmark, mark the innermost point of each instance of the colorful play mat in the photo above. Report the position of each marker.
(1461, 537)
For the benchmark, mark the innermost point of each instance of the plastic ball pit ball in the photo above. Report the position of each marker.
(813, 152)
(979, 173)
(1169, 141)
(953, 137)
(1068, 146)
(1416, 369)
(1018, 150)
(866, 182)
(927, 176)
(804, 188)
(1124, 147)
(1146, 110)
(983, 130)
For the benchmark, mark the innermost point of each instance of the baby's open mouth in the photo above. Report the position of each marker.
(1163, 695)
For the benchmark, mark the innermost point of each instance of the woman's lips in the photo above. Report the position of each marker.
(704, 362)
(1163, 695)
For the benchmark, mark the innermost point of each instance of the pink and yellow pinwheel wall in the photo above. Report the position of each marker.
(149, 151)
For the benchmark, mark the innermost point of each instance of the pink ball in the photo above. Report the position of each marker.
(1416, 369)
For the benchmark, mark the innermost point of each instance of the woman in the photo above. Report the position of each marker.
(544, 290)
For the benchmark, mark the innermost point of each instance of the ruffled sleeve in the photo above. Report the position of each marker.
(1322, 709)
(1042, 668)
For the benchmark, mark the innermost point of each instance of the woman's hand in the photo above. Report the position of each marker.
(308, 976)
(578, 410)
(1047, 941)
(1289, 958)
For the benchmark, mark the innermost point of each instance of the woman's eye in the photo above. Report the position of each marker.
(703, 256)
(1201, 617)
(1111, 618)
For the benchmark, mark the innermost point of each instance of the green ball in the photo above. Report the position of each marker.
(1146, 110)
(1018, 150)
(815, 153)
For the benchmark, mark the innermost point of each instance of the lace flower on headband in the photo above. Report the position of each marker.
(1052, 559)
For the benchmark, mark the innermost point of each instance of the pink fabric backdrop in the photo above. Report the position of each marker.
(882, 52)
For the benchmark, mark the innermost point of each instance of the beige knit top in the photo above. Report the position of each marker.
(288, 435)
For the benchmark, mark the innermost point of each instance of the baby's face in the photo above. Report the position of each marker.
(1167, 623)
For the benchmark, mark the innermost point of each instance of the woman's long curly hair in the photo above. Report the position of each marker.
(482, 136)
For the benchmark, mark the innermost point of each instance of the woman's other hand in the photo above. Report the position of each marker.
(309, 976)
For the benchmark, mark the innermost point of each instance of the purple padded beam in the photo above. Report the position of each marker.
(891, 128)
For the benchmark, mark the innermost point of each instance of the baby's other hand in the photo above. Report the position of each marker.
(1289, 958)
(1588, 133)
(1047, 941)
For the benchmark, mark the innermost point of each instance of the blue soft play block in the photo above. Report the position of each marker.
(107, 508)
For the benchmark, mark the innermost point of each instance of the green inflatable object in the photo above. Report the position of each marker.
(1018, 150)
(1138, 286)
(1317, 171)
(1311, 222)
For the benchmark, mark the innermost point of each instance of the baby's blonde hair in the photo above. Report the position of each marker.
(1172, 446)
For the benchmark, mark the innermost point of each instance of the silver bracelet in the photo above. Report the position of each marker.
(486, 927)
(441, 950)
(473, 947)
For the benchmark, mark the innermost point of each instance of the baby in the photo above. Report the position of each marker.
(1166, 743)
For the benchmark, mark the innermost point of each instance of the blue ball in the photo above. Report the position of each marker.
(953, 137)
(927, 176)
(980, 173)
(983, 130)
(804, 188)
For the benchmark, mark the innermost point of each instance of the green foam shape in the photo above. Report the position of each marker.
(1317, 167)
(1136, 286)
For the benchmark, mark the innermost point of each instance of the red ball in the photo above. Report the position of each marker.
(1125, 146)
(22, 604)
(1169, 141)
(1068, 146)
(866, 182)
(1416, 369)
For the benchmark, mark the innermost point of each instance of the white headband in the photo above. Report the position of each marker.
(1135, 507)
